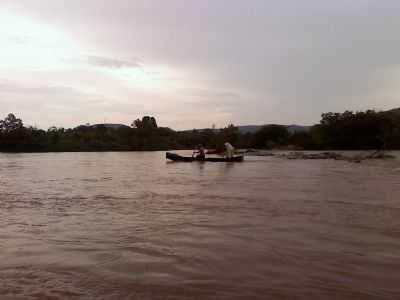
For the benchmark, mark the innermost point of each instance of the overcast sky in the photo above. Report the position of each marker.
(193, 63)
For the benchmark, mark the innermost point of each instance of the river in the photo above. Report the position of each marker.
(132, 226)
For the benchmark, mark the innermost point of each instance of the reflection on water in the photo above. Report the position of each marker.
(131, 226)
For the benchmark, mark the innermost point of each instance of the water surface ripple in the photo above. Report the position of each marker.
(132, 226)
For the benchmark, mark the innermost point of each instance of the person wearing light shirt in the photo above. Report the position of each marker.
(230, 151)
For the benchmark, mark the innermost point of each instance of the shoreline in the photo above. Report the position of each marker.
(357, 155)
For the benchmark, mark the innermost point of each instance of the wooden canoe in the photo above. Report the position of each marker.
(176, 157)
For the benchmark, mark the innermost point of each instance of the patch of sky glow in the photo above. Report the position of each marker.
(146, 77)
(26, 43)
(30, 45)
(47, 71)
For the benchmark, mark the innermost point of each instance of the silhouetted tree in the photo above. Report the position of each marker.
(10, 123)
(348, 130)
(270, 135)
(145, 123)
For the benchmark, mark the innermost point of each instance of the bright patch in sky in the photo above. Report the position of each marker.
(43, 68)
(27, 43)
(154, 78)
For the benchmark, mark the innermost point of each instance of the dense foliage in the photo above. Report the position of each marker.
(351, 131)
(348, 130)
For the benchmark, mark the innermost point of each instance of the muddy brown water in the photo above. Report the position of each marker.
(132, 226)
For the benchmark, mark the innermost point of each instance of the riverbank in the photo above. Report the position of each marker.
(352, 156)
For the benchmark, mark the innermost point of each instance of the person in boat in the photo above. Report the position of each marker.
(230, 151)
(200, 152)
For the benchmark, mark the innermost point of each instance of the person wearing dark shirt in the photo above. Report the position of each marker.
(200, 152)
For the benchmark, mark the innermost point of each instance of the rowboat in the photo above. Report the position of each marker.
(176, 157)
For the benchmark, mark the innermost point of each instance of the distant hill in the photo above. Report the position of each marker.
(106, 125)
(249, 128)
(395, 111)
(291, 128)
(254, 128)
(298, 128)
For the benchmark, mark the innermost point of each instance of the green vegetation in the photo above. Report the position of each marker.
(347, 131)
(352, 131)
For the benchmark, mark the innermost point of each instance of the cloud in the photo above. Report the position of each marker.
(112, 63)
(22, 89)
(48, 105)
(210, 94)
(259, 61)
(19, 39)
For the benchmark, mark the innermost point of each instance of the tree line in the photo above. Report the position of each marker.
(345, 131)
